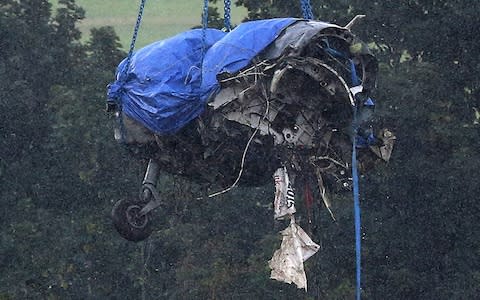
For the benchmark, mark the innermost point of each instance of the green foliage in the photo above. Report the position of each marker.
(415, 221)
(419, 210)
(61, 171)
(56, 158)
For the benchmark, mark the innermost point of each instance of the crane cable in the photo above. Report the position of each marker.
(134, 39)
(307, 14)
(226, 15)
(115, 90)
(306, 9)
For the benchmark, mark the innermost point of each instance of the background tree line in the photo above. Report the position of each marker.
(61, 171)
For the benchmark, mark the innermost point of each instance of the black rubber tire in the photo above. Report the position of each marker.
(127, 224)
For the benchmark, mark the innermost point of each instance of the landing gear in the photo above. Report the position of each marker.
(128, 221)
(132, 218)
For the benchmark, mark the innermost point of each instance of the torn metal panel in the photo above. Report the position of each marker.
(284, 202)
(287, 262)
(384, 150)
(296, 37)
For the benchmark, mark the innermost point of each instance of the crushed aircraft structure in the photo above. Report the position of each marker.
(234, 108)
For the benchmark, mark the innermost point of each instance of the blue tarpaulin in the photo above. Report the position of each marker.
(169, 82)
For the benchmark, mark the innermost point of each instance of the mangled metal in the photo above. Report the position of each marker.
(297, 246)
(284, 202)
(289, 112)
(287, 262)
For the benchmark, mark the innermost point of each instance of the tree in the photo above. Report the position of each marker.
(61, 171)
(412, 208)
(57, 161)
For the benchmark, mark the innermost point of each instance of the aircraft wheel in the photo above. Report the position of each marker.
(128, 223)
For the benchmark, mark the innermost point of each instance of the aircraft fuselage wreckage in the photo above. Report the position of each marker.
(275, 96)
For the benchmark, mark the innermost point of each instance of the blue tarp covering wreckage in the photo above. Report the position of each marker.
(168, 83)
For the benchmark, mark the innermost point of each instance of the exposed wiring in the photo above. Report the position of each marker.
(244, 155)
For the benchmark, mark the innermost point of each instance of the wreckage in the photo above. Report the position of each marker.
(234, 108)
(271, 93)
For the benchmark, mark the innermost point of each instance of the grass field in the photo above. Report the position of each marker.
(161, 19)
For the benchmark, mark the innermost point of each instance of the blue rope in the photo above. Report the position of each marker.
(226, 16)
(356, 204)
(306, 9)
(356, 194)
(355, 81)
(353, 74)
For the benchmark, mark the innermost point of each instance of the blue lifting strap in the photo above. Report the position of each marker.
(356, 194)
(356, 204)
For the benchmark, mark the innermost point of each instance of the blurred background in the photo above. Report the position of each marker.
(61, 170)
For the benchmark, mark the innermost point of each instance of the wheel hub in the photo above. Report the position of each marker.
(134, 218)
